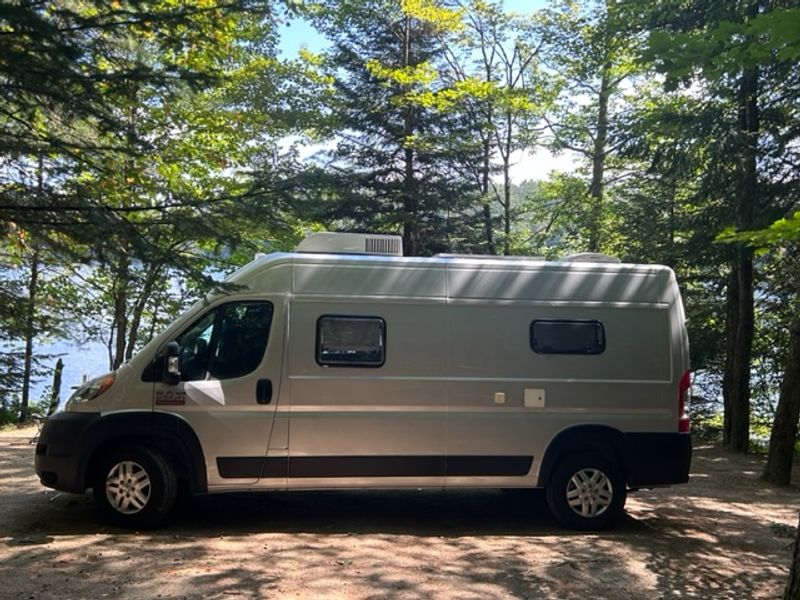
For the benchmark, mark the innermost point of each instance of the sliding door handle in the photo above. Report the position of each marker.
(264, 391)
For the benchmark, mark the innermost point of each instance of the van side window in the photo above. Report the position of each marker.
(226, 342)
(351, 341)
(567, 336)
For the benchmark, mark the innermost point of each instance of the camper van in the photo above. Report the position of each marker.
(347, 365)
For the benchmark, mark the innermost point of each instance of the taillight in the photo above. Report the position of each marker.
(684, 393)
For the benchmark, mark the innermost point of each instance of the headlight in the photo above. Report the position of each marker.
(92, 389)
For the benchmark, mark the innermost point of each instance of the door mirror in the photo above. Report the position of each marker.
(172, 369)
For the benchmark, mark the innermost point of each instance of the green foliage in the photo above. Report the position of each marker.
(123, 144)
(394, 169)
(727, 44)
(780, 231)
(556, 216)
(10, 408)
(708, 427)
(492, 84)
(592, 49)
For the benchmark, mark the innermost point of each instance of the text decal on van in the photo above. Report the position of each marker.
(170, 398)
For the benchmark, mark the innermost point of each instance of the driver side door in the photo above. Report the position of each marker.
(230, 362)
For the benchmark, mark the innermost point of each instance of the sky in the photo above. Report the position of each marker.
(298, 34)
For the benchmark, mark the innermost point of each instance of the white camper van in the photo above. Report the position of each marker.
(347, 365)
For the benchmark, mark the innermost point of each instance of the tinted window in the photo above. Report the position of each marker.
(224, 343)
(563, 336)
(351, 341)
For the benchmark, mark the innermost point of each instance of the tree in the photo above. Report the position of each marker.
(591, 48)
(770, 41)
(671, 208)
(716, 46)
(101, 102)
(36, 294)
(493, 83)
(392, 168)
(782, 237)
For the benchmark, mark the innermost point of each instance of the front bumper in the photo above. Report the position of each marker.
(60, 452)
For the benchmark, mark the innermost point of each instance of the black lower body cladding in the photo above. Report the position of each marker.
(70, 441)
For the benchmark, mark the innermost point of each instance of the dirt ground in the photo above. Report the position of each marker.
(724, 535)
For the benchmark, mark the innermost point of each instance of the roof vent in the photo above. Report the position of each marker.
(352, 243)
(593, 257)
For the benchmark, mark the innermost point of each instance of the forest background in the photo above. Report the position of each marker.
(148, 147)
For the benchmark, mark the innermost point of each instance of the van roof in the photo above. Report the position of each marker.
(456, 277)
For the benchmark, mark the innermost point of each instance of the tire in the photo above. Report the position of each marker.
(586, 492)
(135, 487)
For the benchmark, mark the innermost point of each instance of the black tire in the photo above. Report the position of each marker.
(135, 487)
(594, 485)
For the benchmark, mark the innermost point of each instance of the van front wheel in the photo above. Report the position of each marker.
(586, 492)
(135, 487)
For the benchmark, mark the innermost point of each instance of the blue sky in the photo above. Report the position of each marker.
(298, 33)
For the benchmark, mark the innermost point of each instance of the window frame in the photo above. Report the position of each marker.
(597, 323)
(322, 362)
(215, 337)
(151, 372)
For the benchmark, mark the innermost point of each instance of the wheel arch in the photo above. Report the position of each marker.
(601, 439)
(165, 432)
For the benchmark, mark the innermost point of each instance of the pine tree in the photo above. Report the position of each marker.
(392, 169)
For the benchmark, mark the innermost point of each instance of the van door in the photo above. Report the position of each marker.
(368, 403)
(230, 363)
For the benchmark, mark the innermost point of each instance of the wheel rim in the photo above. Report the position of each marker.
(589, 493)
(128, 487)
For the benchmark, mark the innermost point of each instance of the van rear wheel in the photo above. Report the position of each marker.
(135, 487)
(586, 492)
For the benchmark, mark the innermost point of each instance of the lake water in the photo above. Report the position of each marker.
(88, 360)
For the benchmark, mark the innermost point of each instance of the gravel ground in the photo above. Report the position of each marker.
(724, 535)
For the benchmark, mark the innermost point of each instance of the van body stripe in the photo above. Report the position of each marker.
(307, 467)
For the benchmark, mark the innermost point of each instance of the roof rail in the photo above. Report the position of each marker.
(491, 256)
(595, 257)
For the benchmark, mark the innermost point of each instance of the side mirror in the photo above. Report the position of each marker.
(172, 370)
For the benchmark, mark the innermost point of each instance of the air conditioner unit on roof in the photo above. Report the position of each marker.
(352, 243)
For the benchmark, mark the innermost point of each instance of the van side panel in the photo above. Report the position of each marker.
(493, 367)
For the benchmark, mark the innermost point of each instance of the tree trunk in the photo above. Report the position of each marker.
(784, 428)
(138, 308)
(742, 354)
(792, 591)
(746, 201)
(55, 395)
(121, 309)
(487, 209)
(30, 334)
(599, 163)
(507, 184)
(411, 243)
(731, 320)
